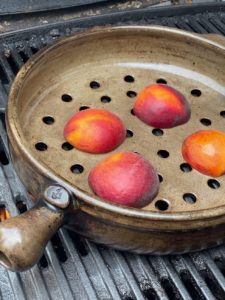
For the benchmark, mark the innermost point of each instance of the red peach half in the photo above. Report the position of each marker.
(125, 178)
(95, 131)
(162, 106)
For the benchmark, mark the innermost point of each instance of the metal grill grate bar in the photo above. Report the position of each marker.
(57, 276)
(7, 70)
(19, 62)
(218, 24)
(175, 278)
(214, 270)
(103, 270)
(146, 276)
(77, 269)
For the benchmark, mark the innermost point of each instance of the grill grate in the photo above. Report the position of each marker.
(72, 267)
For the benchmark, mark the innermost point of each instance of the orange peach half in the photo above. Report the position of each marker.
(95, 131)
(204, 150)
(162, 106)
(125, 178)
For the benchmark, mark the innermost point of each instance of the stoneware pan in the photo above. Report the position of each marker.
(106, 68)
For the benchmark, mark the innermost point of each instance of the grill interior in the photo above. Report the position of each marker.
(72, 267)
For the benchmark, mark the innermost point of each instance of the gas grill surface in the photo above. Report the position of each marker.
(72, 267)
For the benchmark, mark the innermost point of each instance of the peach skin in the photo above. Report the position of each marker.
(204, 150)
(95, 131)
(125, 178)
(162, 106)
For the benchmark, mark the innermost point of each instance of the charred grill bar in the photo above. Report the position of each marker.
(73, 268)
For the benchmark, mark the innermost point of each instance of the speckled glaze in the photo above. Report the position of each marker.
(188, 61)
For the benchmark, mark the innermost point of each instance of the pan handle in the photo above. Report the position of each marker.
(23, 238)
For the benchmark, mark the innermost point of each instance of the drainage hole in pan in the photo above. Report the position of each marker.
(129, 133)
(129, 78)
(206, 122)
(185, 167)
(222, 113)
(161, 80)
(157, 132)
(162, 205)
(105, 99)
(196, 93)
(160, 178)
(40, 146)
(67, 146)
(132, 112)
(189, 198)
(213, 184)
(131, 94)
(94, 85)
(163, 153)
(66, 98)
(48, 120)
(83, 107)
(77, 169)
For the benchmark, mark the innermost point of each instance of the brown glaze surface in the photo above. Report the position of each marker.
(187, 62)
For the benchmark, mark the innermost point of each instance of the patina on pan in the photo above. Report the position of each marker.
(188, 62)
